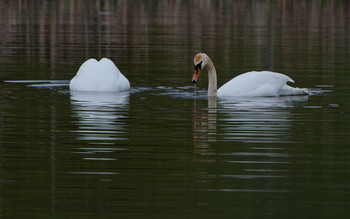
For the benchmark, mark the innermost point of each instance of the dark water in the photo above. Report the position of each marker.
(164, 149)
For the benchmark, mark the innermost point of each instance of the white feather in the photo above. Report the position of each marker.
(100, 75)
(263, 83)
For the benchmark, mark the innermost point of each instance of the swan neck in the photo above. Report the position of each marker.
(212, 86)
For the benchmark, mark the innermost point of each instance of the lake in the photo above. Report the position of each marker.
(165, 150)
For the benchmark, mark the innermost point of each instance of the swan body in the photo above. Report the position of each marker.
(254, 83)
(100, 75)
(263, 83)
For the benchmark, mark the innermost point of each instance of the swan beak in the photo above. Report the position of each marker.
(196, 75)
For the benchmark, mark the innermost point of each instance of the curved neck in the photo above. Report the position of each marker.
(212, 86)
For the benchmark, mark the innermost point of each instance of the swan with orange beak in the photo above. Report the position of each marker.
(254, 83)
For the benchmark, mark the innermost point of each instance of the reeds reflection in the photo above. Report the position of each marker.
(245, 33)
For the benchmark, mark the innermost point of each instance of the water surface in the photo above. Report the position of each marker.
(164, 149)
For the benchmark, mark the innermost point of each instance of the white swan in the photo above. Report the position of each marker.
(263, 83)
(100, 75)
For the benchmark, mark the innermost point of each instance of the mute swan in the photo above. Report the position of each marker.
(264, 83)
(100, 75)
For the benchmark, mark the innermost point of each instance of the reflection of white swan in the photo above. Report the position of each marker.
(259, 119)
(101, 115)
(204, 128)
(100, 75)
(261, 103)
(253, 83)
(99, 98)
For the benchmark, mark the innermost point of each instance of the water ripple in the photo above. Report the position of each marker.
(101, 116)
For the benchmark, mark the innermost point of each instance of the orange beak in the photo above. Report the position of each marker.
(195, 77)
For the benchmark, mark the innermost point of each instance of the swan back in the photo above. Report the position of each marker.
(263, 83)
(100, 75)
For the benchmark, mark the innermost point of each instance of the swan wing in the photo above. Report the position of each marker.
(263, 83)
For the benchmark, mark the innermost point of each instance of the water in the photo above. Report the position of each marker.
(164, 149)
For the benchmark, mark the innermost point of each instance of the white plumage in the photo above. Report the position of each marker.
(260, 83)
(100, 75)
(250, 84)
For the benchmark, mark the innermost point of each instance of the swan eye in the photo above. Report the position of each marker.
(198, 66)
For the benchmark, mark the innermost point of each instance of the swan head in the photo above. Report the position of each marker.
(199, 61)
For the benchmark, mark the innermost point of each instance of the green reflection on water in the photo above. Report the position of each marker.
(159, 150)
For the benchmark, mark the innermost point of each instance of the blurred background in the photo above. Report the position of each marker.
(52, 38)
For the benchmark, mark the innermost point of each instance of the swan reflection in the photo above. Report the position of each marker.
(204, 127)
(100, 115)
(263, 119)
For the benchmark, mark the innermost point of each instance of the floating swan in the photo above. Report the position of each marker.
(100, 75)
(254, 83)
